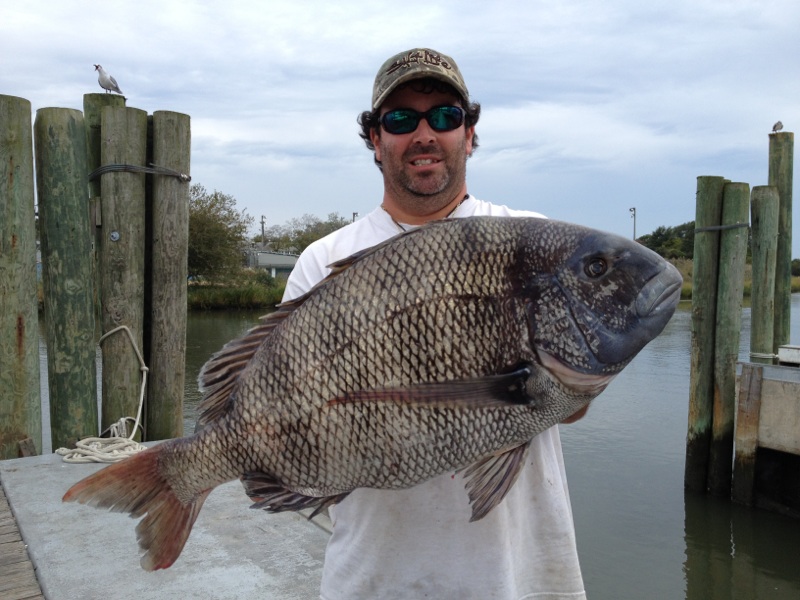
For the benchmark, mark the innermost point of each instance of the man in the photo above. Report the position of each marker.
(419, 543)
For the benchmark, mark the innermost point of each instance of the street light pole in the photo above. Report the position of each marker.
(633, 216)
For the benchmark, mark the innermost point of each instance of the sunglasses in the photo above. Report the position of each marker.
(406, 120)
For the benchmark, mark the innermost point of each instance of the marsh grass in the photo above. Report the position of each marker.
(684, 265)
(247, 289)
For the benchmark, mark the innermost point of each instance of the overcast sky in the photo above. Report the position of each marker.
(589, 108)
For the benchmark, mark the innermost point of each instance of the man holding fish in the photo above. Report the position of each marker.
(417, 542)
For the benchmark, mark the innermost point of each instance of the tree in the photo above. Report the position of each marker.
(217, 232)
(671, 242)
(296, 235)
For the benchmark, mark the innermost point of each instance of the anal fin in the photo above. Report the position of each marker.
(268, 494)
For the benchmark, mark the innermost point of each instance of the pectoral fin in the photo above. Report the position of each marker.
(482, 392)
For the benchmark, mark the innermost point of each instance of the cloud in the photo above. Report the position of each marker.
(588, 108)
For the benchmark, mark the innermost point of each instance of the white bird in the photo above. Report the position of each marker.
(106, 81)
(777, 127)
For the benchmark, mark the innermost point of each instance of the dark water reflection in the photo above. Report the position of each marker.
(736, 553)
(639, 536)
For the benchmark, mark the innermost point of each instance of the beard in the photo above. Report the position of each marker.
(427, 191)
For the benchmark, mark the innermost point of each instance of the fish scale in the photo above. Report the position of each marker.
(446, 348)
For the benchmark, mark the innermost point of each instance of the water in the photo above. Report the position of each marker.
(639, 535)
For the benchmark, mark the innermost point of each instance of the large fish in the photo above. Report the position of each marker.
(446, 348)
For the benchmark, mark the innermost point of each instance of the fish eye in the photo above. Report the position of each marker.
(596, 267)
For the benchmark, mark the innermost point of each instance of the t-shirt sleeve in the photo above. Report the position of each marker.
(309, 270)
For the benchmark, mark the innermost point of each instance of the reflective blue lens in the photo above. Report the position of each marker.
(406, 120)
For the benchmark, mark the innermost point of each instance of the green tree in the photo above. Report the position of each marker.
(217, 233)
(671, 242)
(298, 233)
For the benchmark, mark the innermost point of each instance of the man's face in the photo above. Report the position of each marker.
(423, 169)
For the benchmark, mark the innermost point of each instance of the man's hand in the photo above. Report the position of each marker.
(576, 416)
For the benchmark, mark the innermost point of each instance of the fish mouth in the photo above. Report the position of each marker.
(661, 294)
(582, 383)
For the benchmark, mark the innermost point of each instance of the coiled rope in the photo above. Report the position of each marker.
(117, 446)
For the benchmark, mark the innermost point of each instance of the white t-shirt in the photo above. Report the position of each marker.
(418, 543)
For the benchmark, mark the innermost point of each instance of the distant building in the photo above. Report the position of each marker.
(278, 264)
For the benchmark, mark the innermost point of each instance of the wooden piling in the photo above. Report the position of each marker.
(92, 114)
(170, 235)
(728, 323)
(704, 289)
(20, 403)
(747, 420)
(122, 250)
(93, 105)
(764, 216)
(61, 179)
(781, 160)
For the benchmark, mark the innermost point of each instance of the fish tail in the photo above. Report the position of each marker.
(136, 486)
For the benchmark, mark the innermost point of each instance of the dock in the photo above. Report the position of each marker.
(767, 444)
(17, 576)
(58, 551)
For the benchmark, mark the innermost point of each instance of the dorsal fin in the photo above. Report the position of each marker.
(219, 375)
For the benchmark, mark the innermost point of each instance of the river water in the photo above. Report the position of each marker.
(639, 535)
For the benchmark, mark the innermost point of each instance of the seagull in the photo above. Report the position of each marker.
(777, 127)
(106, 81)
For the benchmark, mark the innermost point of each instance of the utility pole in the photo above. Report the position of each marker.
(633, 216)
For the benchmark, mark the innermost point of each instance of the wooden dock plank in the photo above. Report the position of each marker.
(17, 576)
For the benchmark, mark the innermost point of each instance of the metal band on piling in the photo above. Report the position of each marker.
(721, 227)
(151, 170)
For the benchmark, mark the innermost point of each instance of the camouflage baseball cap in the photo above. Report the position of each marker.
(416, 64)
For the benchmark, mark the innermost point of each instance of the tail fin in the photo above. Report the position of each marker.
(136, 486)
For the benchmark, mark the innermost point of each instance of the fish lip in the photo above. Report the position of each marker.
(662, 292)
(583, 383)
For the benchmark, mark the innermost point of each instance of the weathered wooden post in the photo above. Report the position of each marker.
(781, 160)
(170, 230)
(122, 268)
(704, 290)
(764, 216)
(20, 404)
(61, 179)
(92, 113)
(728, 323)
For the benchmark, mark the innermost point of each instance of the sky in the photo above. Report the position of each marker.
(589, 108)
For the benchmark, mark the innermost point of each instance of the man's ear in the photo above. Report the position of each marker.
(375, 138)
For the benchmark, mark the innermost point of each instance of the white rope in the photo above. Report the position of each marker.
(118, 446)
